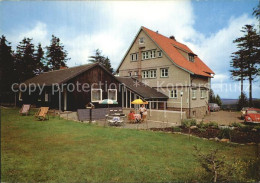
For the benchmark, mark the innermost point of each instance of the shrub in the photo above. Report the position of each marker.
(213, 124)
(246, 128)
(224, 133)
(238, 125)
(188, 123)
(257, 128)
(176, 129)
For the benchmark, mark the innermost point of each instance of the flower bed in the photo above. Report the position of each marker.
(236, 133)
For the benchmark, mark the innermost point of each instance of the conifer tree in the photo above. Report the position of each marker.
(25, 64)
(246, 60)
(99, 58)
(39, 58)
(56, 55)
(7, 76)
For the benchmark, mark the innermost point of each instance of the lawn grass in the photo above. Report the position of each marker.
(58, 150)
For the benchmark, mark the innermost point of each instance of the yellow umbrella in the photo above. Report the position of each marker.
(139, 101)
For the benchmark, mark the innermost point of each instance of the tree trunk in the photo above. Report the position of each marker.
(250, 92)
(242, 82)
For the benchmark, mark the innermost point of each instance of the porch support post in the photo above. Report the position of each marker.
(59, 99)
(123, 102)
(130, 99)
(126, 101)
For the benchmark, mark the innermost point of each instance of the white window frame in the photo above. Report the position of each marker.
(173, 93)
(143, 55)
(46, 97)
(159, 54)
(194, 93)
(153, 54)
(141, 40)
(92, 94)
(203, 93)
(145, 74)
(163, 71)
(152, 73)
(134, 57)
(111, 90)
(146, 55)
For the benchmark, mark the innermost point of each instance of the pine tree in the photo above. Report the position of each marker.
(25, 64)
(238, 73)
(212, 98)
(39, 58)
(56, 55)
(99, 58)
(247, 56)
(7, 76)
(256, 13)
(218, 100)
(242, 101)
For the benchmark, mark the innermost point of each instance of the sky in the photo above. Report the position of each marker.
(208, 27)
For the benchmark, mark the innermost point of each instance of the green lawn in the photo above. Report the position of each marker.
(65, 151)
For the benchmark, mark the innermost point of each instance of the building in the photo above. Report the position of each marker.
(171, 68)
(69, 89)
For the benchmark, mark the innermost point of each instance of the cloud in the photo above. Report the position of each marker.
(114, 24)
(38, 32)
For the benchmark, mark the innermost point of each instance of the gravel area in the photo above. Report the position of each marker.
(223, 117)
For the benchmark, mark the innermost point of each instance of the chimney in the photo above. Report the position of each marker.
(172, 37)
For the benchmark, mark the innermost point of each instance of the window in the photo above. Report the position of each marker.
(46, 97)
(159, 53)
(191, 58)
(153, 54)
(173, 93)
(20, 96)
(141, 40)
(152, 73)
(134, 57)
(136, 73)
(146, 55)
(145, 74)
(149, 74)
(193, 94)
(164, 72)
(96, 95)
(130, 73)
(112, 94)
(202, 93)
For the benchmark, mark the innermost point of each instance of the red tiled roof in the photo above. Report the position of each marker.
(170, 47)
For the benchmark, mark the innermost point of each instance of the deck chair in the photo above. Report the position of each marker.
(42, 114)
(25, 109)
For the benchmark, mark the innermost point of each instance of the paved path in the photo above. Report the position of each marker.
(223, 117)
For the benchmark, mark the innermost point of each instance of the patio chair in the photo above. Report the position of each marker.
(25, 109)
(42, 114)
(115, 121)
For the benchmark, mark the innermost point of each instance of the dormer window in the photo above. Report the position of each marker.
(191, 57)
(141, 40)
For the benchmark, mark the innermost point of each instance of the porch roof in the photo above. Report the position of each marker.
(141, 89)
